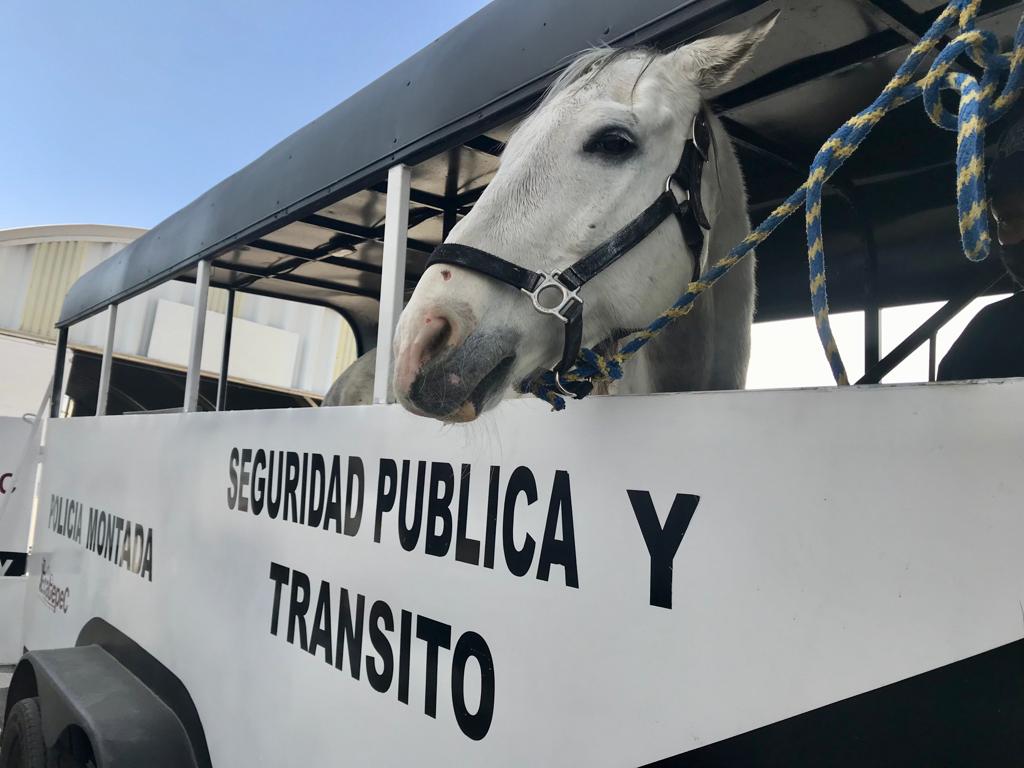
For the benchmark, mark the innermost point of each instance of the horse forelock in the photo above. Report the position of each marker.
(590, 63)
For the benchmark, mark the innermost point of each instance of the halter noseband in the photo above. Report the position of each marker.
(557, 292)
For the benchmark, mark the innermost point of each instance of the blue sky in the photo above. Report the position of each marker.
(123, 112)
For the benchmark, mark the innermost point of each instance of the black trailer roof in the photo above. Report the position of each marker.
(305, 220)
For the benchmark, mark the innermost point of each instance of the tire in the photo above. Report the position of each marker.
(21, 744)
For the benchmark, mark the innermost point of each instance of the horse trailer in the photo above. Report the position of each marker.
(719, 577)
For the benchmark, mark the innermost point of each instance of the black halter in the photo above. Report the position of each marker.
(557, 293)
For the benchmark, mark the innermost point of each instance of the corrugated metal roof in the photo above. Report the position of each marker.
(55, 266)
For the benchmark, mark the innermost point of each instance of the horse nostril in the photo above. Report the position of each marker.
(435, 337)
(433, 334)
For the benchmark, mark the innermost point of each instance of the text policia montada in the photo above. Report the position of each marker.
(331, 623)
(427, 502)
(110, 536)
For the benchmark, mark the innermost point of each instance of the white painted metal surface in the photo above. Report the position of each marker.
(392, 290)
(19, 452)
(842, 540)
(105, 366)
(195, 353)
(33, 361)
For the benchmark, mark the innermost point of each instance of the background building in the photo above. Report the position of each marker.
(276, 345)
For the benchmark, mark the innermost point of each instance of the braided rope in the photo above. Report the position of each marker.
(980, 103)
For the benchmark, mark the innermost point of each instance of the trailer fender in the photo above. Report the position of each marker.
(126, 722)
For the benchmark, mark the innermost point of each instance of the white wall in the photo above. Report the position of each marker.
(25, 370)
(258, 352)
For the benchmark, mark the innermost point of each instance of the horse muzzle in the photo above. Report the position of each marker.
(441, 376)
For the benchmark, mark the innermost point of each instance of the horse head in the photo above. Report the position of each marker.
(585, 164)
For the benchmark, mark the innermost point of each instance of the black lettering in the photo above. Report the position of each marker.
(553, 549)
(91, 534)
(298, 607)
(317, 489)
(471, 645)
(408, 535)
(302, 488)
(518, 560)
(467, 549)
(380, 680)
(147, 557)
(404, 646)
(108, 543)
(320, 637)
(119, 527)
(436, 635)
(243, 481)
(354, 515)
(279, 575)
(350, 633)
(387, 490)
(126, 546)
(439, 508)
(333, 511)
(662, 543)
(232, 483)
(291, 486)
(491, 534)
(138, 544)
(259, 481)
(274, 503)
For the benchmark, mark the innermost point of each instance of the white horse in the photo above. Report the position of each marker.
(589, 159)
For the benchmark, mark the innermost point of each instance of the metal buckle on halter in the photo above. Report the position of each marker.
(560, 387)
(566, 296)
(684, 197)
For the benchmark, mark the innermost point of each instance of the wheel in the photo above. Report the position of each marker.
(21, 744)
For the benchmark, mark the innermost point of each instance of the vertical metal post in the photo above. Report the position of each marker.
(108, 359)
(392, 282)
(225, 357)
(872, 312)
(195, 354)
(57, 392)
(448, 221)
(932, 343)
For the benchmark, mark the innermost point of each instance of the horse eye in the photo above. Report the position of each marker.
(611, 143)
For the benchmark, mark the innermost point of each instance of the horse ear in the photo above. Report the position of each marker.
(714, 61)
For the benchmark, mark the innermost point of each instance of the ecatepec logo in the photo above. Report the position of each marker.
(55, 597)
(6, 483)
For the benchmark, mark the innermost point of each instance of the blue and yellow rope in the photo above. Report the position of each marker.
(981, 103)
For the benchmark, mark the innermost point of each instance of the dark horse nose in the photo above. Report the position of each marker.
(449, 374)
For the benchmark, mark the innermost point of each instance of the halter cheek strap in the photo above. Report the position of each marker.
(557, 293)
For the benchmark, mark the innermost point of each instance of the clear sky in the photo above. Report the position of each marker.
(123, 112)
